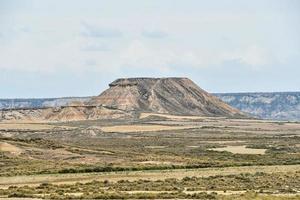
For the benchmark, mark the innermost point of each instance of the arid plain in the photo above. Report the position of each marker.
(153, 156)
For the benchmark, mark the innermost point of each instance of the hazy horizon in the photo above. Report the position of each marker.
(69, 48)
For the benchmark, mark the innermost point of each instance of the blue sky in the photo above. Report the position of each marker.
(56, 48)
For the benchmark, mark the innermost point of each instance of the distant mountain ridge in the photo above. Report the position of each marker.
(266, 105)
(39, 102)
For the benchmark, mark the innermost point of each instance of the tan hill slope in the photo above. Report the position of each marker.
(179, 96)
(126, 98)
(61, 114)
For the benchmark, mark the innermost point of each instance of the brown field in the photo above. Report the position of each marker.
(5, 147)
(172, 117)
(240, 150)
(142, 128)
(30, 126)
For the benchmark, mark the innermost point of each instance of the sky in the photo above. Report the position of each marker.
(57, 48)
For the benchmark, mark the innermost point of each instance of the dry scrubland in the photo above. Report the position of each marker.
(153, 156)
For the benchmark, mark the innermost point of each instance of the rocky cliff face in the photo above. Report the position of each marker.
(163, 95)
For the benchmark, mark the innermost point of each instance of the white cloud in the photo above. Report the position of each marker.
(155, 34)
(194, 40)
(95, 46)
(81, 53)
(209, 42)
(146, 55)
(254, 56)
(98, 31)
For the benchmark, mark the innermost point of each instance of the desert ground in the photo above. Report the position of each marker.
(154, 156)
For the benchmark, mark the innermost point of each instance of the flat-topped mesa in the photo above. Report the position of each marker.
(163, 95)
(123, 82)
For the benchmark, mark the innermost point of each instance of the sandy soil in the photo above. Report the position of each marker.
(227, 192)
(240, 150)
(155, 147)
(152, 162)
(144, 115)
(142, 128)
(188, 192)
(223, 141)
(28, 126)
(20, 198)
(10, 148)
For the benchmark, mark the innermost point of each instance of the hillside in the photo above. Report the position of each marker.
(163, 95)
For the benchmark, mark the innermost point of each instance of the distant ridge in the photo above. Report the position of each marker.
(39, 102)
(266, 105)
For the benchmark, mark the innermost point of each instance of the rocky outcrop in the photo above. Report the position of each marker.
(179, 96)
